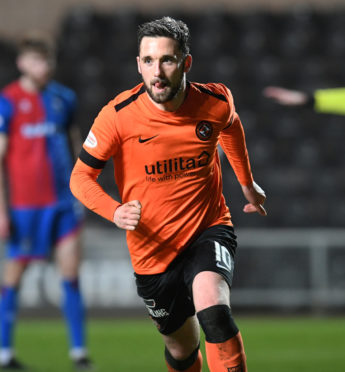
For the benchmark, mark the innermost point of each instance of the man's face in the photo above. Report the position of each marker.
(162, 67)
(35, 66)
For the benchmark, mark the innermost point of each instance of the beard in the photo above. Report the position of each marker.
(171, 89)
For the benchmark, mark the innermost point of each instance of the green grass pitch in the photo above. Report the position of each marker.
(129, 345)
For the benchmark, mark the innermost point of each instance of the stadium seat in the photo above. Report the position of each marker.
(8, 70)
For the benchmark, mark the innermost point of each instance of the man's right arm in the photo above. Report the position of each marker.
(101, 144)
(85, 187)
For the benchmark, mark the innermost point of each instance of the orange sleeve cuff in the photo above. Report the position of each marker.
(84, 187)
(232, 141)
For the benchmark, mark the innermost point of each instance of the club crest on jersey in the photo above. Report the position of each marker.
(204, 130)
(24, 105)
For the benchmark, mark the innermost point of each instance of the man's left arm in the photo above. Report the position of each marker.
(232, 141)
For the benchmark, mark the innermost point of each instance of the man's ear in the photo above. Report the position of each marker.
(138, 63)
(188, 63)
(19, 62)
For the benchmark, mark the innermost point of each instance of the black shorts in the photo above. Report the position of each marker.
(168, 296)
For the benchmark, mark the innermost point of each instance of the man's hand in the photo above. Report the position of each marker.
(127, 216)
(285, 96)
(256, 197)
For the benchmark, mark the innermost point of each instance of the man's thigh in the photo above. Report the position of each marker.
(213, 251)
(166, 298)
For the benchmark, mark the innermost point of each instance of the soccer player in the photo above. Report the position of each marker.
(162, 136)
(35, 162)
(330, 101)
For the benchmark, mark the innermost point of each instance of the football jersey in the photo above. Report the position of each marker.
(169, 162)
(38, 158)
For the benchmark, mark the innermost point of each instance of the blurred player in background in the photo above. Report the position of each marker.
(330, 101)
(162, 136)
(35, 163)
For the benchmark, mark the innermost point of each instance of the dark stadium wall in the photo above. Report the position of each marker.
(16, 16)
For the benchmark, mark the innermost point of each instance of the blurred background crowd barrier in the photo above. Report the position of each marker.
(294, 258)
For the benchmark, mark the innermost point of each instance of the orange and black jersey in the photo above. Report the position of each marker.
(169, 162)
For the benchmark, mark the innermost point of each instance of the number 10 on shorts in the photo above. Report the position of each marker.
(223, 257)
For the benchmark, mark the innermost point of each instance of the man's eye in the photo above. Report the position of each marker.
(147, 60)
(168, 60)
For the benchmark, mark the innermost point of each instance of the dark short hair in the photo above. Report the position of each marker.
(166, 27)
(37, 41)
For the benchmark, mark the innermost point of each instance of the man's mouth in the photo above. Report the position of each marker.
(160, 85)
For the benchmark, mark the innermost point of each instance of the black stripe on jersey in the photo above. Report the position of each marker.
(219, 96)
(90, 160)
(129, 100)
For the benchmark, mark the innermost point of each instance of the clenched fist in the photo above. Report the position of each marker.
(127, 216)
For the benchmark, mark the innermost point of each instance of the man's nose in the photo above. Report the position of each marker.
(157, 69)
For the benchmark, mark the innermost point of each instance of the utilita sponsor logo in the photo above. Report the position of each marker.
(178, 164)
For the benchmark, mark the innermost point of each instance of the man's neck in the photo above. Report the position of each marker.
(29, 85)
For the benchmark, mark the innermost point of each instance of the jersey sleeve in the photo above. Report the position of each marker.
(100, 144)
(103, 139)
(331, 101)
(84, 187)
(6, 112)
(232, 140)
